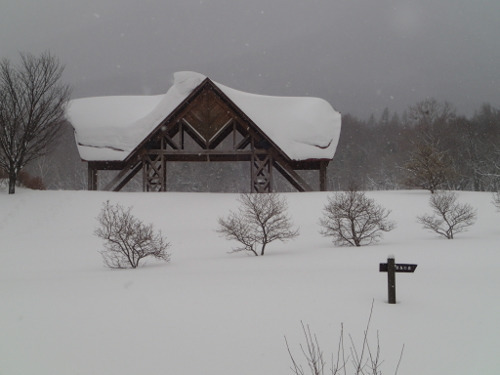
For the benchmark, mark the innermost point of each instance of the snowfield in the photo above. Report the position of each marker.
(210, 312)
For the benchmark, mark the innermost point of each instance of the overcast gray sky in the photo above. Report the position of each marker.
(360, 55)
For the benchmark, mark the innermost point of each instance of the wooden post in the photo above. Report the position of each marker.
(261, 177)
(391, 268)
(92, 179)
(391, 279)
(322, 176)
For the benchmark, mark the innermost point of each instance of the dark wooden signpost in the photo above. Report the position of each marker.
(391, 267)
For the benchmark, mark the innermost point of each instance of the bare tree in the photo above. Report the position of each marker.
(260, 219)
(429, 113)
(428, 167)
(32, 110)
(352, 218)
(490, 168)
(127, 239)
(450, 217)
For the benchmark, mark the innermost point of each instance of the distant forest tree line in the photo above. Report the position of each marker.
(428, 146)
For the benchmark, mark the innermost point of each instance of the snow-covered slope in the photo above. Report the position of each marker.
(109, 128)
(210, 312)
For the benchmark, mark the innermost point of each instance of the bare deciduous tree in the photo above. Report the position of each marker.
(450, 217)
(260, 219)
(430, 113)
(32, 112)
(428, 167)
(127, 239)
(353, 219)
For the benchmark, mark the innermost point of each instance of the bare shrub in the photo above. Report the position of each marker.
(357, 359)
(127, 239)
(450, 216)
(353, 219)
(260, 219)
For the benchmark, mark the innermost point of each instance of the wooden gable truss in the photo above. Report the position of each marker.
(207, 126)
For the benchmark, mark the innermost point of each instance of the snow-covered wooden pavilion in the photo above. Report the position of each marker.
(200, 120)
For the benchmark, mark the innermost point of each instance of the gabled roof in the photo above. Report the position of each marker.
(110, 128)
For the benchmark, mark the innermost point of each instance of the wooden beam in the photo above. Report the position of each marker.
(119, 177)
(306, 165)
(221, 134)
(91, 178)
(204, 155)
(291, 176)
(106, 165)
(131, 175)
(194, 134)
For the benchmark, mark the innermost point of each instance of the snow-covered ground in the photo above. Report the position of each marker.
(210, 312)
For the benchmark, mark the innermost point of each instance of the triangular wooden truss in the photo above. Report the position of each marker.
(207, 126)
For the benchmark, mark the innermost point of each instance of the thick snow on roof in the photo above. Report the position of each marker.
(109, 128)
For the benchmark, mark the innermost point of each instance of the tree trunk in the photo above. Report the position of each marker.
(12, 182)
(355, 238)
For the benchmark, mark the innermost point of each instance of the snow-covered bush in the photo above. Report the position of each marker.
(353, 219)
(450, 216)
(260, 219)
(127, 240)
